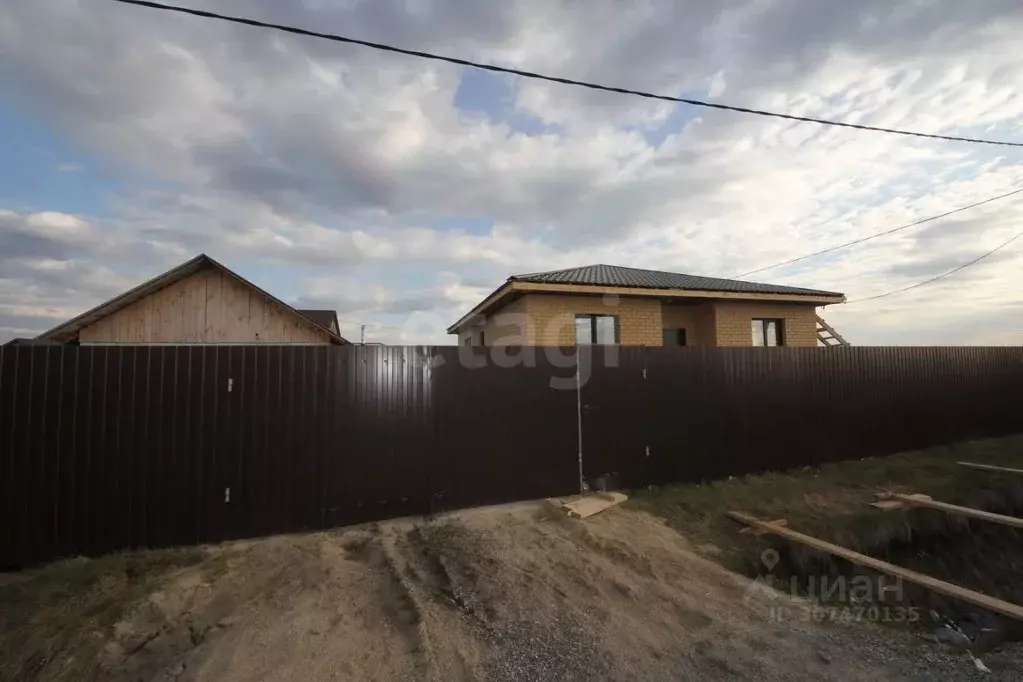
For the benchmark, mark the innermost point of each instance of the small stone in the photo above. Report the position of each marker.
(953, 637)
(227, 621)
(113, 649)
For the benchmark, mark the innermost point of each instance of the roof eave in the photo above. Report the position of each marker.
(481, 307)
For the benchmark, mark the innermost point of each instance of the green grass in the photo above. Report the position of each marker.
(833, 501)
(54, 620)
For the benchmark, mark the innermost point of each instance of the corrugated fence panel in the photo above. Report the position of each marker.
(616, 413)
(381, 455)
(112, 447)
(729, 411)
(505, 425)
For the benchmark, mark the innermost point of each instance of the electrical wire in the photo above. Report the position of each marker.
(878, 234)
(649, 95)
(554, 79)
(942, 276)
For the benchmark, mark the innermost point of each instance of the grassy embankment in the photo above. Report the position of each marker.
(833, 501)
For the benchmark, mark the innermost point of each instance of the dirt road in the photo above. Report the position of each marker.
(505, 593)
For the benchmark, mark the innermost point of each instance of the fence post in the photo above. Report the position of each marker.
(579, 418)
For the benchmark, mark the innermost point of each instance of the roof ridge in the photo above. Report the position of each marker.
(581, 267)
(549, 272)
(603, 265)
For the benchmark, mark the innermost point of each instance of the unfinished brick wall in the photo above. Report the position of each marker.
(733, 322)
(697, 320)
(551, 318)
(507, 327)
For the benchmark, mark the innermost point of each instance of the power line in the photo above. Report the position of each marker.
(942, 276)
(878, 234)
(553, 79)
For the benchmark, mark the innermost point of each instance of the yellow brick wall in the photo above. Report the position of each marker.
(552, 318)
(733, 322)
(549, 320)
(507, 327)
(697, 320)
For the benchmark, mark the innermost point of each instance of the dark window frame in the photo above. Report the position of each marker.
(593, 317)
(779, 325)
(679, 338)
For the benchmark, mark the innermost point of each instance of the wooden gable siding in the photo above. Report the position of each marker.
(208, 307)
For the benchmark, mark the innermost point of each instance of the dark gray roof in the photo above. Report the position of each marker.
(32, 342)
(324, 318)
(616, 276)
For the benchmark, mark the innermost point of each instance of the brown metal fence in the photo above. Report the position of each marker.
(685, 415)
(110, 447)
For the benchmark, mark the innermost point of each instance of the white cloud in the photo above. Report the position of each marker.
(344, 169)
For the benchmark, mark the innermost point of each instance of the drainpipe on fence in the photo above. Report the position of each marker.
(579, 420)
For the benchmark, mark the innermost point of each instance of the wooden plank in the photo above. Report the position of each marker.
(214, 308)
(990, 467)
(926, 501)
(174, 312)
(940, 586)
(593, 504)
(760, 531)
(142, 321)
(193, 314)
(832, 334)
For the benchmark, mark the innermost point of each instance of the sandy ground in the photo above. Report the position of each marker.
(504, 593)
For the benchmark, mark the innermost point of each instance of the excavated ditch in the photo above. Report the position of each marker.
(978, 555)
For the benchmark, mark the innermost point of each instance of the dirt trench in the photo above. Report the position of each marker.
(505, 593)
(979, 555)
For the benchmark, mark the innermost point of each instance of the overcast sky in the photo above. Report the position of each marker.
(400, 191)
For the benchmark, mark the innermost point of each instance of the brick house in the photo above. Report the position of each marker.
(198, 302)
(606, 304)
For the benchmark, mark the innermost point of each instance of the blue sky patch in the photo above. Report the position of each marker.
(492, 95)
(41, 171)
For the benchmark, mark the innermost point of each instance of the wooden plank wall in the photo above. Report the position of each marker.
(208, 307)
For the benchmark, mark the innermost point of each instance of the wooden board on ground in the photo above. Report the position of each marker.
(990, 467)
(752, 530)
(903, 501)
(589, 505)
(940, 586)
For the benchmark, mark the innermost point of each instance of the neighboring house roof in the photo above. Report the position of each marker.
(617, 276)
(642, 283)
(325, 318)
(69, 330)
(31, 342)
